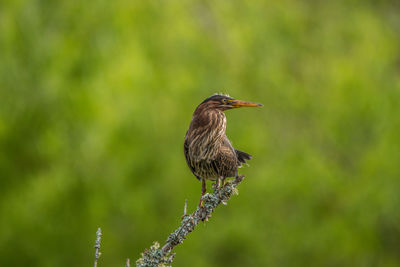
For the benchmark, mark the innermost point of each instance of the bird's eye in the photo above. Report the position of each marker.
(224, 101)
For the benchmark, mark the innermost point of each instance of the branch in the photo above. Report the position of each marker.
(156, 257)
(97, 247)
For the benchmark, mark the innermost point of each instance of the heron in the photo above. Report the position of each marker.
(208, 151)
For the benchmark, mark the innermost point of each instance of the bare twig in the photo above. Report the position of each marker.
(185, 208)
(97, 247)
(163, 257)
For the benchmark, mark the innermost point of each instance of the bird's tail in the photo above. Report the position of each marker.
(242, 156)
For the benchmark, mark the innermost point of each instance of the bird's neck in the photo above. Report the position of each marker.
(210, 123)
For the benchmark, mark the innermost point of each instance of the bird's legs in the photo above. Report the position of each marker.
(218, 183)
(203, 191)
(203, 187)
(223, 182)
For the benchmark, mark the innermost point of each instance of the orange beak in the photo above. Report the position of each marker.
(240, 103)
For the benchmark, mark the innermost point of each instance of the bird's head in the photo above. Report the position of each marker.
(223, 102)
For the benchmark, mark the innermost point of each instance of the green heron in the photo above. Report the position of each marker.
(208, 152)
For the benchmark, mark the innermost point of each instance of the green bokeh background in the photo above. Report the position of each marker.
(96, 97)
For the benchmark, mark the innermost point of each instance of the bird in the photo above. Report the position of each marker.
(208, 151)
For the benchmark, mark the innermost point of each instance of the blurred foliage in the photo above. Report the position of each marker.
(96, 96)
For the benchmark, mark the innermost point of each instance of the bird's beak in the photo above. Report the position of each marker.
(240, 103)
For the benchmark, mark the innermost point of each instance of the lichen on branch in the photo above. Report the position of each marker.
(161, 257)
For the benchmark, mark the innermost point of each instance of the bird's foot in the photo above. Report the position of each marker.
(202, 212)
(222, 183)
(217, 187)
(204, 217)
(217, 184)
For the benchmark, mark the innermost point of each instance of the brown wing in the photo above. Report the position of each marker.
(188, 161)
(227, 160)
